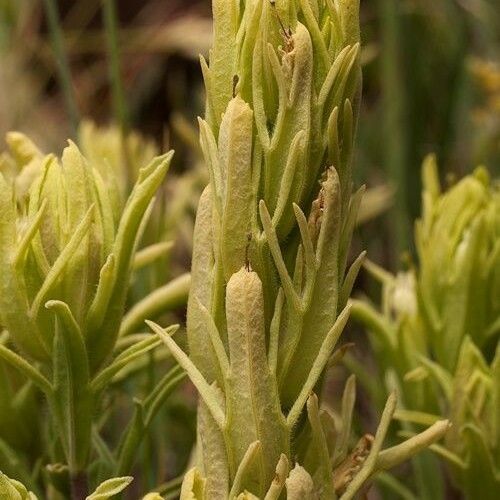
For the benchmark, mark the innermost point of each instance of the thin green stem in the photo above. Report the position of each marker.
(64, 73)
(394, 108)
(111, 27)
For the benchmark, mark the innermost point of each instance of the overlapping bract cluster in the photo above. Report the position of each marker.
(61, 242)
(293, 68)
(472, 398)
(458, 245)
(64, 276)
(269, 291)
(438, 333)
(275, 84)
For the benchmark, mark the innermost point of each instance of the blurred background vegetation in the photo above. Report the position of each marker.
(431, 84)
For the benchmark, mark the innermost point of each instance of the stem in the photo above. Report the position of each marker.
(79, 487)
(394, 107)
(64, 73)
(120, 110)
(111, 25)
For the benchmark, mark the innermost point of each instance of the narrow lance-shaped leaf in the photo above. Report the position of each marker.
(14, 305)
(252, 391)
(235, 149)
(321, 449)
(322, 306)
(213, 450)
(149, 180)
(206, 392)
(200, 347)
(72, 401)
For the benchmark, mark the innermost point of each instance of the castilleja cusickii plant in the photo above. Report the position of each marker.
(270, 284)
(64, 275)
(436, 336)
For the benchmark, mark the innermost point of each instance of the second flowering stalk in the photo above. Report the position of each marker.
(269, 291)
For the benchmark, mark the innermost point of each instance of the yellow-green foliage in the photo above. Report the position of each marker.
(436, 337)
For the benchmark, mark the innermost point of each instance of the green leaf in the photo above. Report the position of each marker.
(162, 390)
(252, 394)
(350, 278)
(235, 163)
(27, 369)
(222, 57)
(193, 486)
(275, 331)
(321, 301)
(396, 486)
(282, 470)
(125, 358)
(292, 118)
(272, 240)
(321, 56)
(348, 401)
(99, 305)
(144, 413)
(317, 367)
(213, 449)
(202, 273)
(215, 338)
(28, 236)
(253, 452)
(62, 260)
(294, 164)
(392, 457)
(369, 464)
(130, 440)
(321, 451)
(11, 490)
(104, 337)
(440, 375)
(206, 392)
(72, 402)
(481, 479)
(152, 253)
(168, 297)
(110, 488)
(75, 344)
(102, 450)
(209, 148)
(14, 304)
